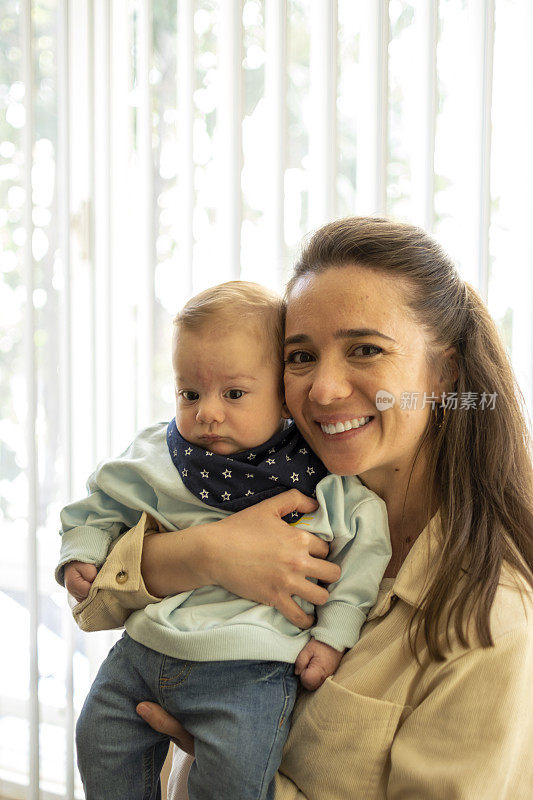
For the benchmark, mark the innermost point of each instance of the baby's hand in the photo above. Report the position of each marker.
(78, 578)
(315, 663)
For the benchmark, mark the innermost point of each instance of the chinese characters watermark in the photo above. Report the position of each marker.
(450, 401)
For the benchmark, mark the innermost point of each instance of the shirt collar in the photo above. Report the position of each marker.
(416, 572)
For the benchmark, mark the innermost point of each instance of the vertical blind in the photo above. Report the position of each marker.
(149, 148)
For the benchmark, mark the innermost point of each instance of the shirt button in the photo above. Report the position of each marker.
(121, 577)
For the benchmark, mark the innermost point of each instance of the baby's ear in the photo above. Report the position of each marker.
(285, 413)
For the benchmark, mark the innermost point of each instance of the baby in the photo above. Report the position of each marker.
(221, 664)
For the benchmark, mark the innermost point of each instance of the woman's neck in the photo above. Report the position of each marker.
(406, 495)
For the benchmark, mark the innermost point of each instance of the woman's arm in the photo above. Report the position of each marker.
(252, 553)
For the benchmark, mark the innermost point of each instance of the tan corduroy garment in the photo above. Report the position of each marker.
(383, 726)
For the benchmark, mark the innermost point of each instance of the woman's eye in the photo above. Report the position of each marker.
(367, 350)
(299, 357)
(235, 394)
(191, 397)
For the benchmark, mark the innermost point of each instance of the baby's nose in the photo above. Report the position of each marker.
(210, 410)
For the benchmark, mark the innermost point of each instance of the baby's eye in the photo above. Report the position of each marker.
(298, 357)
(367, 350)
(189, 395)
(234, 394)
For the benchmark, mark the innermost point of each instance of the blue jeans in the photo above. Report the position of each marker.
(238, 712)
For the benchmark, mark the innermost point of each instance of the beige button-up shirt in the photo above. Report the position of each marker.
(385, 726)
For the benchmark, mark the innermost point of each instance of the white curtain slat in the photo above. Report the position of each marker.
(423, 184)
(31, 405)
(123, 241)
(323, 112)
(91, 153)
(185, 105)
(528, 205)
(146, 307)
(229, 137)
(64, 211)
(484, 11)
(102, 225)
(373, 119)
(276, 100)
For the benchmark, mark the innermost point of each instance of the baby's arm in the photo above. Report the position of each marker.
(316, 662)
(78, 578)
(354, 521)
(118, 492)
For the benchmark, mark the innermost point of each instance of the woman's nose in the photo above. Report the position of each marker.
(210, 410)
(330, 383)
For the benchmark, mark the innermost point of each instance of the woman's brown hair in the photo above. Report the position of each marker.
(482, 458)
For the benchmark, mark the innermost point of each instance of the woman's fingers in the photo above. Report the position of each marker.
(317, 547)
(292, 611)
(292, 500)
(161, 721)
(324, 571)
(317, 595)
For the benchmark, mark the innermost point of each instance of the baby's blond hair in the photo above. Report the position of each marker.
(234, 303)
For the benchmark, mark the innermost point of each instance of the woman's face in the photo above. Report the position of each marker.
(351, 340)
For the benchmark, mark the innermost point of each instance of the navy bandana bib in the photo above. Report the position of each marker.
(238, 481)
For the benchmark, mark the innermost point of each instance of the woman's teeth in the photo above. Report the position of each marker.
(340, 427)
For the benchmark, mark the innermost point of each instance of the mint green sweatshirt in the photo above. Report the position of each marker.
(210, 623)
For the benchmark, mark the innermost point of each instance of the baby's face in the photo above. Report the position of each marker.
(228, 395)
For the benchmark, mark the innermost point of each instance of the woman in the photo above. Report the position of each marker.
(434, 701)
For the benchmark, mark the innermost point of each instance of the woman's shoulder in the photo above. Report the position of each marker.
(512, 609)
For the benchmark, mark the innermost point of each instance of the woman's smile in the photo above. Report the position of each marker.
(336, 427)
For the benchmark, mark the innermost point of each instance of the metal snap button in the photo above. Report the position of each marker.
(121, 577)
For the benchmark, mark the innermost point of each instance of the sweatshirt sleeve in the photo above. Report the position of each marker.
(354, 521)
(118, 493)
(472, 734)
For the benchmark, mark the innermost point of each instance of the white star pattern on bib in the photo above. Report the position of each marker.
(227, 481)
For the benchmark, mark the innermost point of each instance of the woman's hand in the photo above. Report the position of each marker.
(258, 556)
(253, 554)
(161, 721)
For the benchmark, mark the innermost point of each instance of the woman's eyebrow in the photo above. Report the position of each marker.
(353, 333)
(299, 338)
(343, 333)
